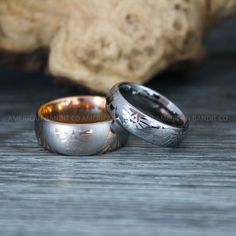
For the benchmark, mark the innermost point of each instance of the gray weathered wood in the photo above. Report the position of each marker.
(138, 190)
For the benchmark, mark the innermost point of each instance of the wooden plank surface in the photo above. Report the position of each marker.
(140, 189)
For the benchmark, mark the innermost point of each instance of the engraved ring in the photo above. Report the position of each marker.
(147, 114)
(78, 126)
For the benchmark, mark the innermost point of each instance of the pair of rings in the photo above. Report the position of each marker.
(89, 125)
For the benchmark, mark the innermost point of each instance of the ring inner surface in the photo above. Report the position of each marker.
(76, 110)
(152, 105)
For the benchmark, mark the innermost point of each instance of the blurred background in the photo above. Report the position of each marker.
(140, 189)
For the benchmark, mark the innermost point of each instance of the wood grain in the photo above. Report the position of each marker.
(140, 189)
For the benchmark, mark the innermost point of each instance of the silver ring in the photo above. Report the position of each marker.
(78, 126)
(147, 114)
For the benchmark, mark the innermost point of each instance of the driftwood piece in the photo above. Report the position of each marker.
(99, 43)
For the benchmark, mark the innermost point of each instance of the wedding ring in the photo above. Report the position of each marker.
(147, 114)
(78, 126)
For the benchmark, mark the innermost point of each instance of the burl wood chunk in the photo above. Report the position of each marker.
(98, 43)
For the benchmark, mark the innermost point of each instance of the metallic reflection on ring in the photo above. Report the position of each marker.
(147, 114)
(78, 126)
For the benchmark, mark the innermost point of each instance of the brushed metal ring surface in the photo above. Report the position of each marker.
(147, 114)
(78, 126)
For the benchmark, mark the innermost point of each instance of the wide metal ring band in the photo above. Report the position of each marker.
(78, 126)
(147, 114)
